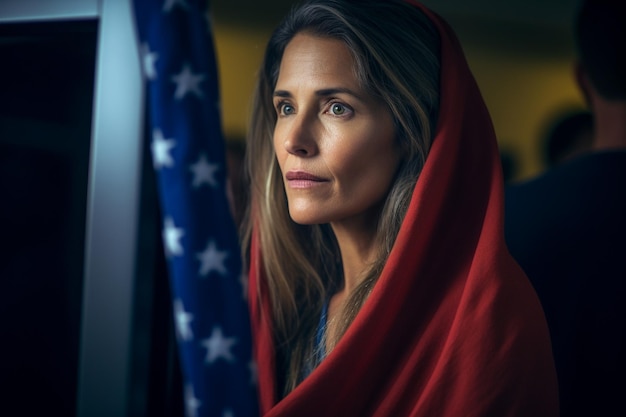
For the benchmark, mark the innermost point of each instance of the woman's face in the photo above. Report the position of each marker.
(334, 142)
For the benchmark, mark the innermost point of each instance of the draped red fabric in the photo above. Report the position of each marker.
(452, 327)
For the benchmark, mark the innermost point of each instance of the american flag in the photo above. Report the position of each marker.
(199, 235)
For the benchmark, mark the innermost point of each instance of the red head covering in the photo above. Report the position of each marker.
(452, 327)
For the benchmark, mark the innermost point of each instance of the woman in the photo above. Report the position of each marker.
(381, 285)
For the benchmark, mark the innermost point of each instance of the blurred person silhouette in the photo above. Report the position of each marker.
(569, 135)
(509, 165)
(567, 229)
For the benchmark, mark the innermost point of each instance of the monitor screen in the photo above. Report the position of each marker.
(46, 84)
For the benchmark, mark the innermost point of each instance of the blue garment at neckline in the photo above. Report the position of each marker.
(320, 337)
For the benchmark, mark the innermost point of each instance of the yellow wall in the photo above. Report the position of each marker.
(522, 90)
(523, 93)
(239, 54)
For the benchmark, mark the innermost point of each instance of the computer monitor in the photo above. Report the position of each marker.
(71, 164)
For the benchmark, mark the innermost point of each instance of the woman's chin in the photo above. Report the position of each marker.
(307, 217)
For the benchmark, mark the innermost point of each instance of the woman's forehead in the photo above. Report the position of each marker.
(313, 59)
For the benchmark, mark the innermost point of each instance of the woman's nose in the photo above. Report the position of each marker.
(300, 137)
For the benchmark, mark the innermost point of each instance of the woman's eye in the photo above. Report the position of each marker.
(285, 109)
(338, 109)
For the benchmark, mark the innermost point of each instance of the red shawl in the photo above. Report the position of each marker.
(452, 328)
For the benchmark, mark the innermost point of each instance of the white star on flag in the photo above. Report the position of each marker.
(212, 259)
(161, 148)
(191, 402)
(169, 5)
(183, 321)
(149, 62)
(218, 346)
(171, 237)
(204, 172)
(228, 413)
(188, 82)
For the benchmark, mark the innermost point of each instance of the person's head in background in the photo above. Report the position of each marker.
(570, 134)
(509, 165)
(392, 64)
(600, 35)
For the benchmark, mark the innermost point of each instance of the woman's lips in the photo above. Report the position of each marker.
(302, 179)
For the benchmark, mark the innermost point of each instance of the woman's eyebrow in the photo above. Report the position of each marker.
(336, 90)
(322, 92)
(282, 93)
